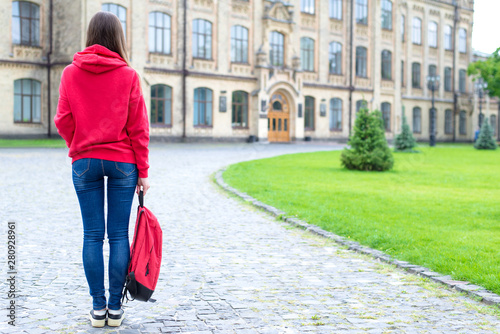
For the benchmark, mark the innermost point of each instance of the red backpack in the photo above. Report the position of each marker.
(145, 256)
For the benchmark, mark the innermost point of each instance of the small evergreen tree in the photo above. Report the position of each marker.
(368, 147)
(405, 142)
(485, 140)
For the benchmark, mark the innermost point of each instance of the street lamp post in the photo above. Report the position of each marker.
(433, 85)
(480, 89)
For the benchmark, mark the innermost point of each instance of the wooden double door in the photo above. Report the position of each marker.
(278, 119)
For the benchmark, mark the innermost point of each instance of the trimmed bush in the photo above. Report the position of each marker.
(485, 140)
(368, 147)
(405, 142)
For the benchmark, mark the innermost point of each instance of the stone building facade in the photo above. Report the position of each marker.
(259, 69)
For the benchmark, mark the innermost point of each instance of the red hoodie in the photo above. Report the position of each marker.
(101, 111)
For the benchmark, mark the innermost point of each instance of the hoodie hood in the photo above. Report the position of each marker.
(98, 59)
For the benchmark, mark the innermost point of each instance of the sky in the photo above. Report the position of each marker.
(486, 32)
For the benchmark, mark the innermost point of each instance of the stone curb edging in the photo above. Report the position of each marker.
(477, 291)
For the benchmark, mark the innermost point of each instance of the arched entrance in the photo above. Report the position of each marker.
(278, 119)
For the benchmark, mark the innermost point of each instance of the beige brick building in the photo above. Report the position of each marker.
(276, 70)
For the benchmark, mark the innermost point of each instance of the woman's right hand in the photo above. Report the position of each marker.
(144, 182)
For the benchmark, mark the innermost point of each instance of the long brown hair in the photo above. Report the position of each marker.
(105, 29)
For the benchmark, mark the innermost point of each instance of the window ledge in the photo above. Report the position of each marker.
(159, 125)
(335, 130)
(203, 126)
(240, 127)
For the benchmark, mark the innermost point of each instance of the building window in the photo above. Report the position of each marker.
(202, 107)
(432, 70)
(307, 53)
(307, 6)
(361, 104)
(462, 40)
(417, 120)
(448, 119)
(309, 113)
(417, 31)
(386, 115)
(335, 58)
(161, 104)
(202, 39)
(462, 81)
(25, 23)
(159, 33)
(433, 34)
(402, 73)
(277, 47)
(493, 122)
(403, 28)
(240, 109)
(387, 14)
(336, 9)
(447, 79)
(448, 41)
(361, 62)
(239, 44)
(386, 65)
(362, 11)
(415, 75)
(335, 114)
(430, 120)
(27, 101)
(119, 11)
(462, 123)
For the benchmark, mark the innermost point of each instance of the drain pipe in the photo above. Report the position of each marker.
(184, 71)
(455, 95)
(49, 117)
(351, 87)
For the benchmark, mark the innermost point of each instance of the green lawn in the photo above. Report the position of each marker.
(439, 208)
(32, 143)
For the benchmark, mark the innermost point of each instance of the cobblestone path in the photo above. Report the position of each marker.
(227, 268)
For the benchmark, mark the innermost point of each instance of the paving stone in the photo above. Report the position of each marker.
(226, 267)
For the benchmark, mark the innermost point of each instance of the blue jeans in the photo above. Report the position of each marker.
(88, 179)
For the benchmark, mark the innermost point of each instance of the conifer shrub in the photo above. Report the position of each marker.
(485, 140)
(405, 142)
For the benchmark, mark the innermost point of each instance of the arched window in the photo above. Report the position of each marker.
(307, 6)
(202, 107)
(447, 79)
(335, 9)
(307, 53)
(386, 115)
(25, 23)
(415, 75)
(432, 70)
(448, 41)
(27, 101)
(309, 113)
(160, 33)
(119, 11)
(335, 114)
(387, 14)
(417, 120)
(202, 39)
(493, 122)
(462, 40)
(417, 31)
(335, 58)
(403, 27)
(386, 65)
(462, 123)
(239, 44)
(361, 70)
(276, 47)
(240, 109)
(448, 121)
(361, 11)
(430, 120)
(161, 104)
(432, 34)
(361, 104)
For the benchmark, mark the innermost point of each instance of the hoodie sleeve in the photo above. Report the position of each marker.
(138, 127)
(63, 119)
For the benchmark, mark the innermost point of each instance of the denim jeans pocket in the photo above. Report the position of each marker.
(81, 166)
(125, 167)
